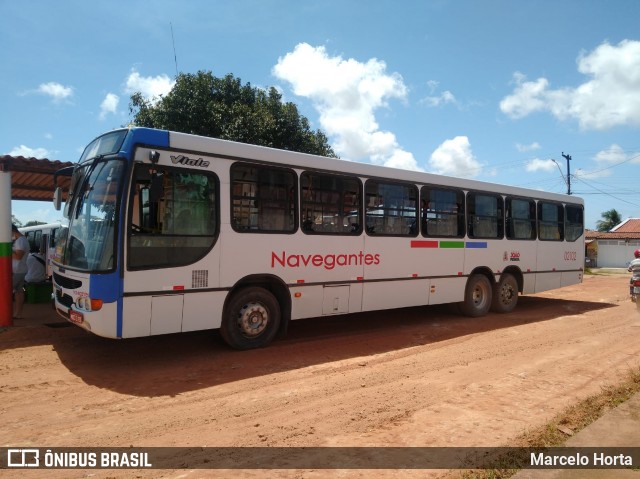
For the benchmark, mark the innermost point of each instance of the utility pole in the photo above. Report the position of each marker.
(568, 158)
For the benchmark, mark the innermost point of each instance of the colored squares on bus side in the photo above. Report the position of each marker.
(449, 244)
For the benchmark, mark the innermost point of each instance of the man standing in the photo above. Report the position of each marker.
(634, 268)
(19, 267)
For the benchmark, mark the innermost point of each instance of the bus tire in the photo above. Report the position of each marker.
(477, 296)
(251, 319)
(505, 294)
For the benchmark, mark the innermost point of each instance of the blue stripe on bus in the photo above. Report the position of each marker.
(119, 318)
(107, 287)
(104, 286)
(475, 244)
(144, 136)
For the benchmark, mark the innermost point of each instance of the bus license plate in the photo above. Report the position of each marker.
(636, 290)
(76, 317)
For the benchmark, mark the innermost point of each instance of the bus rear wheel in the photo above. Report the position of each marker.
(505, 294)
(477, 296)
(251, 319)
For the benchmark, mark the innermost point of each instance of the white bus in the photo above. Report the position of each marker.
(170, 232)
(43, 238)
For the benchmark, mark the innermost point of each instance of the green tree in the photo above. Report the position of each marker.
(203, 104)
(610, 219)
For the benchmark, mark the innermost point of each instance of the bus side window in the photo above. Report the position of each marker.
(574, 222)
(171, 207)
(521, 219)
(391, 208)
(330, 204)
(263, 199)
(486, 217)
(442, 212)
(550, 221)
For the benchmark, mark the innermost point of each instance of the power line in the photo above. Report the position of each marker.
(606, 193)
(173, 42)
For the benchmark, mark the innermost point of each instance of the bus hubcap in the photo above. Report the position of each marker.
(507, 294)
(253, 319)
(479, 296)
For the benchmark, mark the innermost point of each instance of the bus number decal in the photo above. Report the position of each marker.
(570, 256)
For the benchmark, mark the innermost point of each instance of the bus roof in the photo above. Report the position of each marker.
(243, 151)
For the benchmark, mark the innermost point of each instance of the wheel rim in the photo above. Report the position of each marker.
(480, 295)
(253, 319)
(506, 294)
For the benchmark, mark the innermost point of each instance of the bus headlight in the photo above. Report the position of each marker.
(89, 304)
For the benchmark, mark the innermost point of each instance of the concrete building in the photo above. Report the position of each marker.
(613, 249)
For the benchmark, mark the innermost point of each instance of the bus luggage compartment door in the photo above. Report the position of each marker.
(335, 299)
(166, 314)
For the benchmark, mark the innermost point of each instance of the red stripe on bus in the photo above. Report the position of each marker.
(424, 244)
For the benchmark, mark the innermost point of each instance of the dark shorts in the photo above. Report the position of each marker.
(18, 281)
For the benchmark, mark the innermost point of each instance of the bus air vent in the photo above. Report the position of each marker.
(67, 283)
(199, 278)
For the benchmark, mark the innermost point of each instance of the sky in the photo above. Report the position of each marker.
(494, 90)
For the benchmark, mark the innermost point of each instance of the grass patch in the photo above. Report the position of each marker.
(605, 271)
(554, 433)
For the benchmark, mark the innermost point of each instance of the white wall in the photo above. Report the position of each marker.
(616, 253)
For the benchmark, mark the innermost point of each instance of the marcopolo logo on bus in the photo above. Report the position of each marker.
(185, 160)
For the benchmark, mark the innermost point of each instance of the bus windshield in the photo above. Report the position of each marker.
(92, 206)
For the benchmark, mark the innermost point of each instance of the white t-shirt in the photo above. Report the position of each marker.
(20, 265)
(634, 267)
(35, 269)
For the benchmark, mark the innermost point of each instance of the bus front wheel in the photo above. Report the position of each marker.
(477, 296)
(505, 294)
(251, 319)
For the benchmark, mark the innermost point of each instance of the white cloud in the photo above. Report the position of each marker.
(443, 98)
(614, 154)
(109, 105)
(607, 159)
(610, 97)
(454, 157)
(346, 94)
(531, 147)
(528, 97)
(152, 88)
(537, 164)
(56, 91)
(27, 152)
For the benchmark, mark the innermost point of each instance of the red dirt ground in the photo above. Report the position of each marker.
(412, 377)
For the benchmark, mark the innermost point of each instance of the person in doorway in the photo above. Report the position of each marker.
(19, 255)
(634, 268)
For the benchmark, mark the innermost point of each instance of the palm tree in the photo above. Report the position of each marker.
(611, 219)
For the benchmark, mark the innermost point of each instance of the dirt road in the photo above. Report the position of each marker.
(412, 377)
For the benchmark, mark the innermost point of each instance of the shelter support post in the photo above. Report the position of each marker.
(6, 285)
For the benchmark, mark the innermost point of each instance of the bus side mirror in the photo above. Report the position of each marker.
(57, 198)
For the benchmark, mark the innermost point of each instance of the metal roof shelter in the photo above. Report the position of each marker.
(31, 178)
(28, 179)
